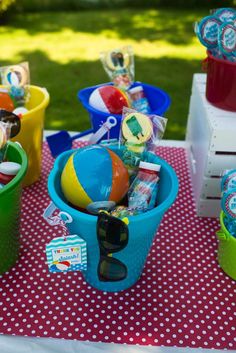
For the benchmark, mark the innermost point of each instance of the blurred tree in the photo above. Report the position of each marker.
(181, 3)
(4, 4)
(71, 5)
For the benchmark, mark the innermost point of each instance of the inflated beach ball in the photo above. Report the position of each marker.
(108, 99)
(94, 173)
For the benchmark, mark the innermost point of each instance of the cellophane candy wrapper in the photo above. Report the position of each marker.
(119, 65)
(5, 132)
(139, 133)
(16, 78)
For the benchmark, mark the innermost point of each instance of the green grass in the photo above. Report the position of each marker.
(63, 53)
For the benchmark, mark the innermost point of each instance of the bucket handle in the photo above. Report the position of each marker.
(205, 64)
(55, 220)
(221, 235)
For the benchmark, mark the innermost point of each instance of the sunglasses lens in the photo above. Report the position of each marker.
(111, 270)
(12, 119)
(112, 233)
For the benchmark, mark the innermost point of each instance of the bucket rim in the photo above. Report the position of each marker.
(42, 105)
(90, 218)
(20, 175)
(220, 60)
(85, 103)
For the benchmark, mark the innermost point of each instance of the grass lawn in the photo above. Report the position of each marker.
(63, 52)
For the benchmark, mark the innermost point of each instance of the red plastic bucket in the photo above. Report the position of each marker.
(221, 82)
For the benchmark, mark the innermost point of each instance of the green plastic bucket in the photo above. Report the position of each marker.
(226, 249)
(10, 205)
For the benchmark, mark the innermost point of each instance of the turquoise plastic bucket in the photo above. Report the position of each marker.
(158, 99)
(142, 228)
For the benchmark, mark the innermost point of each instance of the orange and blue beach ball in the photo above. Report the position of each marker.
(94, 173)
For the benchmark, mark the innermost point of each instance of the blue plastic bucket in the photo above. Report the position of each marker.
(158, 99)
(142, 228)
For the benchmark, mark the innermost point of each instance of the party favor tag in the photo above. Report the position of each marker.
(67, 254)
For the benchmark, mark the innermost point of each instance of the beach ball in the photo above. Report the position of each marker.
(94, 173)
(108, 99)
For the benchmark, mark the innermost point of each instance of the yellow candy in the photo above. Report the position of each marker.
(135, 148)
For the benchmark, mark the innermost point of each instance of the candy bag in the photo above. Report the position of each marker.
(139, 132)
(159, 126)
(16, 79)
(5, 132)
(119, 65)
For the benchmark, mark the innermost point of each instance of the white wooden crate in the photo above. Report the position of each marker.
(211, 142)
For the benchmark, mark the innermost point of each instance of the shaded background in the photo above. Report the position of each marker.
(62, 41)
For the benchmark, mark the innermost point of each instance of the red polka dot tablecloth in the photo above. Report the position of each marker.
(182, 298)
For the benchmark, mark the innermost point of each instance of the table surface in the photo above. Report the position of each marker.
(10, 344)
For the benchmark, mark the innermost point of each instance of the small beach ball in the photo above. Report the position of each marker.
(108, 99)
(94, 173)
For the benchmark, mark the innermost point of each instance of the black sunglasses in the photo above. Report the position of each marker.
(112, 235)
(12, 119)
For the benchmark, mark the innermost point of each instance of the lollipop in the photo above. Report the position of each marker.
(4, 135)
(119, 65)
(225, 14)
(16, 79)
(227, 39)
(207, 31)
(137, 128)
(15, 75)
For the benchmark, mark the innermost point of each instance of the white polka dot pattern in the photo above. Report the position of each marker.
(182, 299)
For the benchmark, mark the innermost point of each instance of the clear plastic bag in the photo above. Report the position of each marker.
(5, 132)
(119, 65)
(139, 132)
(16, 79)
